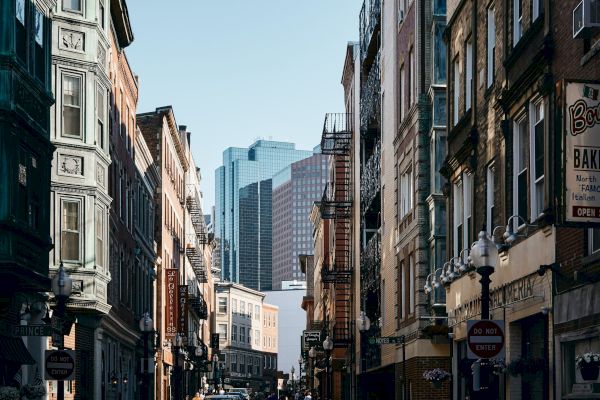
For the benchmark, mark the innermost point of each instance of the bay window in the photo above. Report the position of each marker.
(99, 237)
(71, 100)
(439, 53)
(100, 117)
(70, 231)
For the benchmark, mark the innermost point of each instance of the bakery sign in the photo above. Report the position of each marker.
(582, 152)
(171, 304)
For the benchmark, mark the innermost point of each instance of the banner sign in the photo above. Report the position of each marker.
(312, 338)
(183, 310)
(582, 152)
(172, 275)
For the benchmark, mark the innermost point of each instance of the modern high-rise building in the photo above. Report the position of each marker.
(295, 189)
(243, 217)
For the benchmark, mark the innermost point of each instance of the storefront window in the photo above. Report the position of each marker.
(579, 380)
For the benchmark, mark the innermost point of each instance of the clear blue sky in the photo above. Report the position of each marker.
(241, 69)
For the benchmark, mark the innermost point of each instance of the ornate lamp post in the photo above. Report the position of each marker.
(312, 353)
(292, 370)
(177, 343)
(300, 362)
(62, 285)
(328, 347)
(146, 327)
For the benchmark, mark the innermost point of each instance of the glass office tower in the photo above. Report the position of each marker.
(243, 209)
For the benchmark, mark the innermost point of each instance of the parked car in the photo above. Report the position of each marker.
(243, 391)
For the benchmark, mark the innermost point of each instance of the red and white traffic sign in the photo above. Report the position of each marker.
(485, 339)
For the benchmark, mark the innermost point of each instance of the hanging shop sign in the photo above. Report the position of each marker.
(582, 152)
(172, 275)
(183, 309)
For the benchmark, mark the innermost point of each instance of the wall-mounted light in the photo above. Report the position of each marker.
(125, 380)
(113, 380)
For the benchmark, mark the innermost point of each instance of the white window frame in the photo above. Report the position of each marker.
(517, 21)
(80, 79)
(219, 304)
(517, 125)
(536, 183)
(491, 45)
(468, 73)
(489, 202)
(456, 90)
(73, 10)
(63, 228)
(406, 191)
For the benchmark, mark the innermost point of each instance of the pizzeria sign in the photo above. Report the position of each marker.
(582, 152)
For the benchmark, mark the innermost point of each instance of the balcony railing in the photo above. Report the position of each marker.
(370, 180)
(371, 263)
(337, 134)
(370, 101)
(198, 306)
(195, 253)
(336, 201)
(370, 17)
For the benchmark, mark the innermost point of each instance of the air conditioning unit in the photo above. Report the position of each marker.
(586, 18)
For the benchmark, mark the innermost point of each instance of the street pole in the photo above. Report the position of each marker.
(405, 385)
(485, 281)
(62, 286)
(145, 368)
(60, 390)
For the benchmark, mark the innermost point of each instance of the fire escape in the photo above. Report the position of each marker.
(370, 179)
(195, 242)
(336, 205)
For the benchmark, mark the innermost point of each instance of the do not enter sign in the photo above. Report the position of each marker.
(60, 365)
(485, 339)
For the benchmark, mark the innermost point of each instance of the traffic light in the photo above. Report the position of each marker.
(214, 341)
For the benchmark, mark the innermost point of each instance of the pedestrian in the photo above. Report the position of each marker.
(308, 396)
(197, 396)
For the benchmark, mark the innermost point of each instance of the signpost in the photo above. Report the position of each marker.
(32, 330)
(386, 340)
(59, 365)
(485, 339)
(57, 331)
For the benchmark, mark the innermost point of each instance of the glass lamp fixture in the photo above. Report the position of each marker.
(484, 252)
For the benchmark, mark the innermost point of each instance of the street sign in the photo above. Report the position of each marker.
(485, 339)
(32, 330)
(386, 340)
(312, 338)
(59, 365)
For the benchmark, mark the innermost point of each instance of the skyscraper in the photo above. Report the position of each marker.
(295, 189)
(243, 206)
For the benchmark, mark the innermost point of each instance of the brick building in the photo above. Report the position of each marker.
(509, 67)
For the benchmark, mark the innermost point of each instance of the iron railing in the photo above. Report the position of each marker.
(371, 262)
(337, 134)
(369, 21)
(197, 216)
(370, 180)
(195, 253)
(198, 306)
(370, 100)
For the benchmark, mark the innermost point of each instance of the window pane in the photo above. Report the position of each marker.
(439, 108)
(522, 195)
(99, 238)
(72, 5)
(71, 90)
(20, 11)
(595, 240)
(70, 231)
(39, 27)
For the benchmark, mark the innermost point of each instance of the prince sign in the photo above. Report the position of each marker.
(582, 152)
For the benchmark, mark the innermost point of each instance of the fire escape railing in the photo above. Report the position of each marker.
(370, 99)
(337, 134)
(194, 252)
(370, 294)
(194, 207)
(369, 21)
(371, 264)
(198, 306)
(370, 180)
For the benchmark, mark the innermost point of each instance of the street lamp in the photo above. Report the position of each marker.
(146, 327)
(312, 353)
(328, 346)
(484, 255)
(300, 362)
(62, 286)
(177, 343)
(292, 370)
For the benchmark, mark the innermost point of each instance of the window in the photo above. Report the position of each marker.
(439, 7)
(438, 155)
(71, 105)
(491, 45)
(456, 90)
(538, 7)
(411, 285)
(20, 30)
(101, 15)
(234, 333)
(99, 237)
(468, 74)
(257, 338)
(101, 116)
(242, 307)
(462, 213)
(402, 8)
(257, 312)
(250, 310)
(222, 305)
(222, 332)
(537, 158)
(234, 306)
(439, 53)
(242, 334)
(517, 21)
(402, 92)
(70, 231)
(72, 5)
(249, 335)
(406, 192)
(403, 290)
(412, 82)
(489, 202)
(520, 166)
(39, 53)
(593, 241)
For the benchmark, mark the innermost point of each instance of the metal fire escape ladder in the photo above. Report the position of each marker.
(337, 205)
(194, 248)
(193, 205)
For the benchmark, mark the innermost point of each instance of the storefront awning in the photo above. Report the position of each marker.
(13, 350)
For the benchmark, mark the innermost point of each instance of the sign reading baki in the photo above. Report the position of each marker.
(582, 152)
